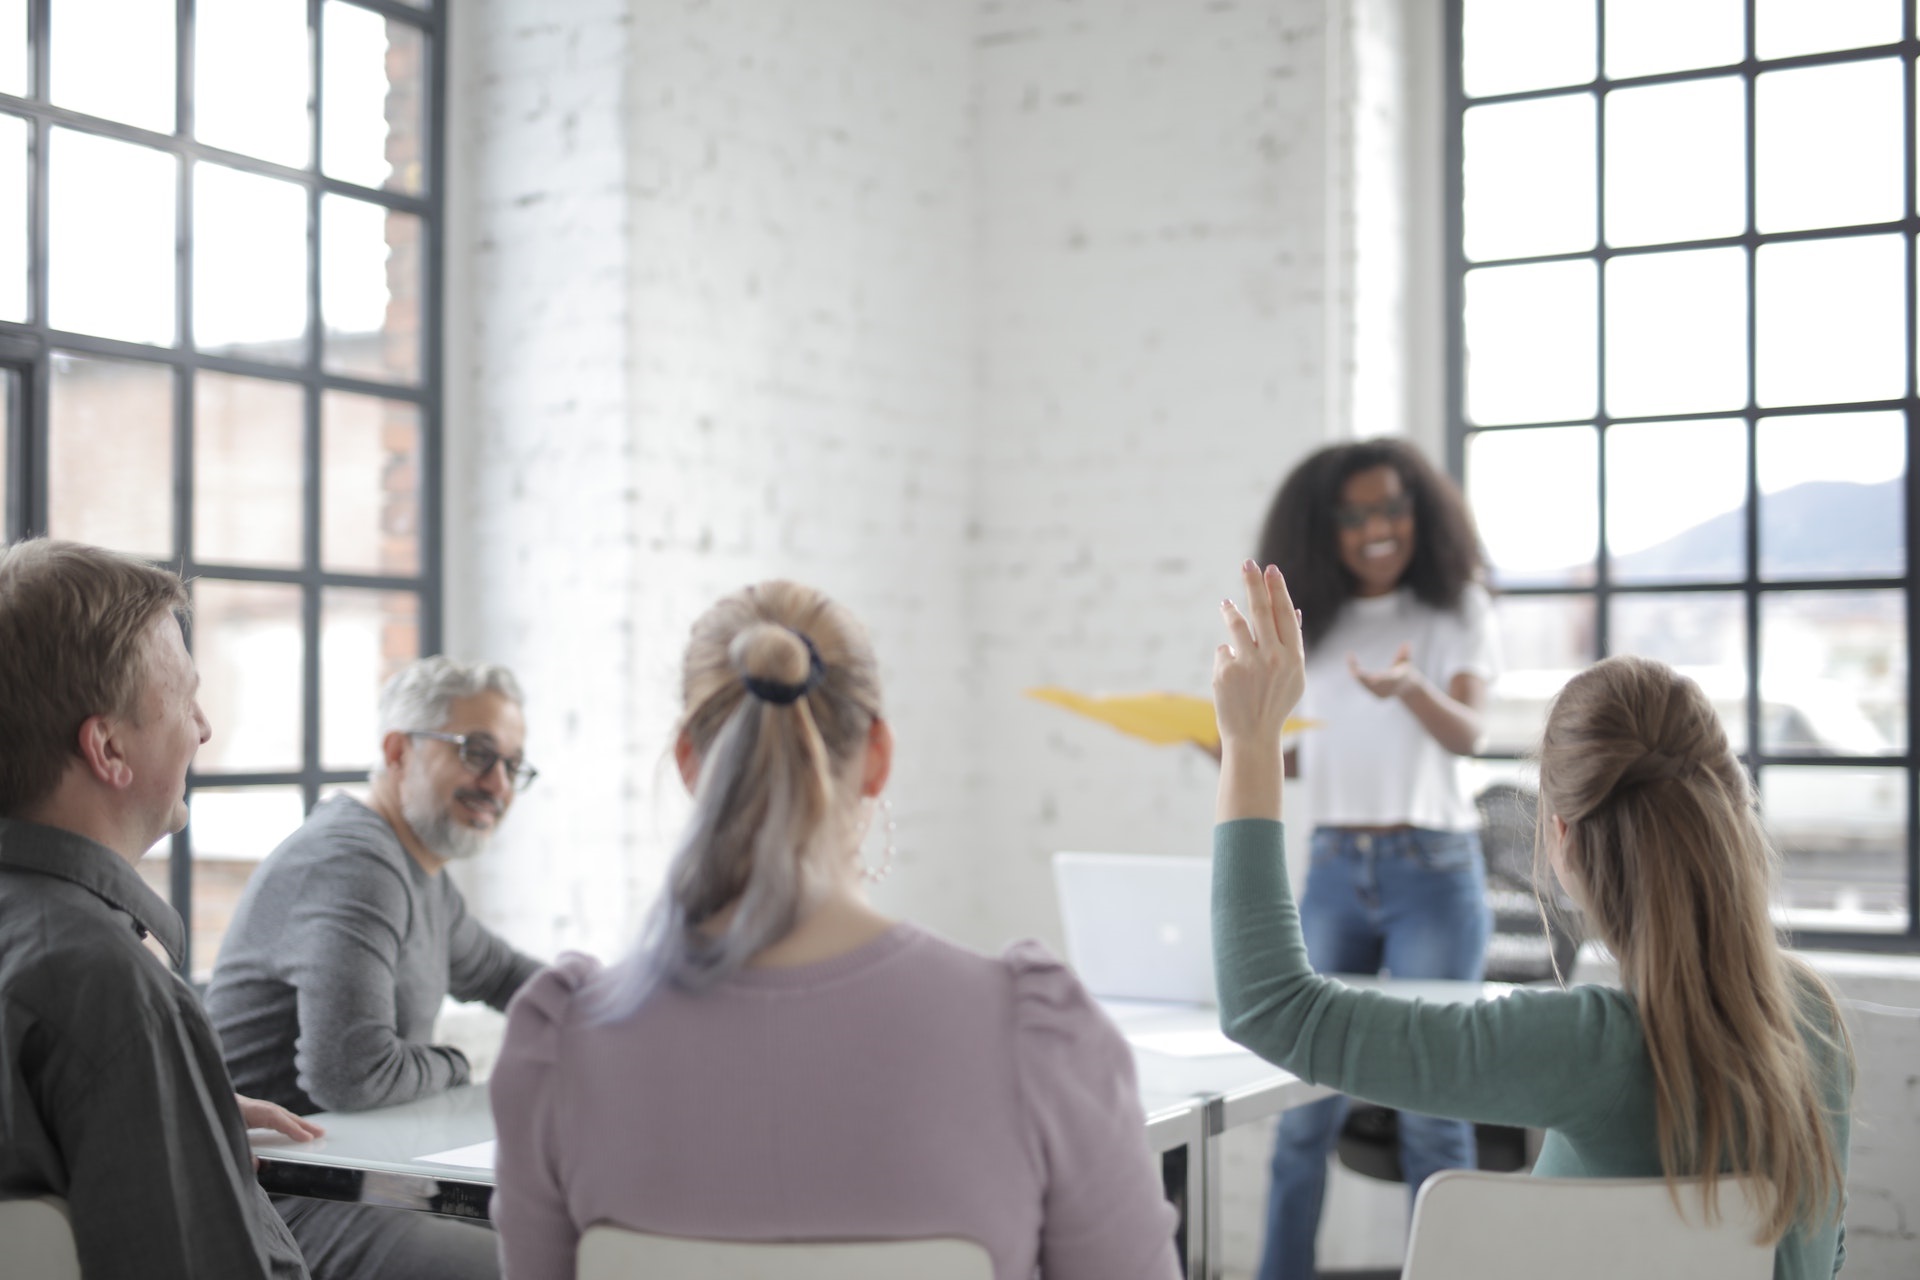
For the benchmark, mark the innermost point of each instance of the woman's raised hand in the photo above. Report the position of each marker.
(1258, 677)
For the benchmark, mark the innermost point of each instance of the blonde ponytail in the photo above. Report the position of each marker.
(781, 689)
(1668, 857)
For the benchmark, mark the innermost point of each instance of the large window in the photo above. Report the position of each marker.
(1684, 390)
(219, 229)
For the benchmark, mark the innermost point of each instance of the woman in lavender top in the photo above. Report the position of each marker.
(777, 1060)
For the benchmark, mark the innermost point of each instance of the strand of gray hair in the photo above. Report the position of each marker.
(673, 949)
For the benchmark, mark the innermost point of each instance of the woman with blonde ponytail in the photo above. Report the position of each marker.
(777, 1060)
(1721, 1053)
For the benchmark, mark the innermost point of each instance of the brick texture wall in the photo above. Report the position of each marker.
(998, 319)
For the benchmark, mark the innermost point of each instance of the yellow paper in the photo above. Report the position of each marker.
(1160, 718)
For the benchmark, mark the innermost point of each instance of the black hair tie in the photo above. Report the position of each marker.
(781, 694)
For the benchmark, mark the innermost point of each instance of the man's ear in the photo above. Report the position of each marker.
(393, 749)
(879, 765)
(688, 760)
(101, 752)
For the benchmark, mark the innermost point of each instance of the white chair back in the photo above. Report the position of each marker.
(39, 1240)
(614, 1253)
(1488, 1226)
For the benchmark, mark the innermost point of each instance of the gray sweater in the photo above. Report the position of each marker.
(339, 956)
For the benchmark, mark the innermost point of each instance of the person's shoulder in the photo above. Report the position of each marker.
(341, 838)
(547, 1004)
(1475, 599)
(1471, 608)
(86, 978)
(1049, 998)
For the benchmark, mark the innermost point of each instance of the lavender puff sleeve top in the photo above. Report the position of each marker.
(909, 1088)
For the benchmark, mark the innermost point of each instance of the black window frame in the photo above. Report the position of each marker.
(1752, 588)
(27, 351)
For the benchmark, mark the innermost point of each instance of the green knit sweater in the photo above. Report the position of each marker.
(1571, 1062)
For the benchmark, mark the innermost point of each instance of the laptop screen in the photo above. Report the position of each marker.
(1138, 926)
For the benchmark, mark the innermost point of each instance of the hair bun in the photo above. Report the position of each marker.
(776, 663)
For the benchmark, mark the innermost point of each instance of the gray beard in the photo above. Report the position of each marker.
(435, 826)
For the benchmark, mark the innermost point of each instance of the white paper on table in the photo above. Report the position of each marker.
(1198, 1042)
(477, 1156)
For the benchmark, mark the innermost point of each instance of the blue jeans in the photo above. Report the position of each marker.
(1411, 902)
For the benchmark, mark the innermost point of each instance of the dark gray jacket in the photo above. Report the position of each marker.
(112, 1094)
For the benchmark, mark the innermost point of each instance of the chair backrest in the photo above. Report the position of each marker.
(39, 1240)
(1520, 950)
(1493, 1226)
(614, 1253)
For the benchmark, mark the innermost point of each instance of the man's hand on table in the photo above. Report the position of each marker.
(271, 1115)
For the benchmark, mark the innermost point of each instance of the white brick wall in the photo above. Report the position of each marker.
(998, 319)
(542, 516)
(712, 325)
(1151, 351)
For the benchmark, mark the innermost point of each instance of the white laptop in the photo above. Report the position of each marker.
(1139, 926)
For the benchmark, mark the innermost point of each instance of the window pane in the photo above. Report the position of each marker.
(14, 56)
(1783, 28)
(111, 239)
(1676, 501)
(1528, 178)
(114, 58)
(370, 290)
(249, 265)
(247, 471)
(253, 78)
(1833, 495)
(110, 454)
(233, 828)
(1510, 45)
(370, 490)
(1832, 320)
(1531, 343)
(246, 640)
(374, 130)
(1677, 162)
(1833, 670)
(1701, 634)
(1649, 36)
(1544, 640)
(366, 637)
(1843, 834)
(1828, 143)
(1536, 533)
(13, 218)
(1676, 332)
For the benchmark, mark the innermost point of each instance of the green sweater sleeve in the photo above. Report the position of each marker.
(1544, 1059)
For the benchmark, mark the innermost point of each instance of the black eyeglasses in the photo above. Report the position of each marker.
(1356, 516)
(478, 755)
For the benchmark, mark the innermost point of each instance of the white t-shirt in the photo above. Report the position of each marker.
(1371, 763)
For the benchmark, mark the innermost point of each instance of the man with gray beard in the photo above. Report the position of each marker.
(349, 937)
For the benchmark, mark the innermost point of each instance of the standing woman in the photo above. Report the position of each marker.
(1385, 566)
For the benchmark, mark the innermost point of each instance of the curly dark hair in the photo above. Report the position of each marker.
(1299, 533)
